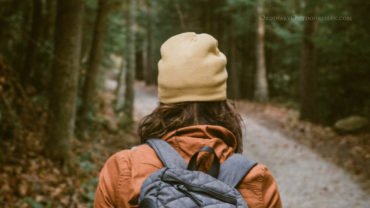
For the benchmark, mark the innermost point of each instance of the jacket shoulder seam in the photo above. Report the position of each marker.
(123, 160)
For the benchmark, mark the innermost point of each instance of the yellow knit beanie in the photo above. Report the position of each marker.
(191, 69)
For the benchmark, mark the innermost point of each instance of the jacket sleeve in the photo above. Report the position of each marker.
(114, 176)
(259, 189)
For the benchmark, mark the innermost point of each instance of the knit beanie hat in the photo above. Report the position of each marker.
(191, 68)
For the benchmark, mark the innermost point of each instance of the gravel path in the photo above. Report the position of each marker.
(304, 178)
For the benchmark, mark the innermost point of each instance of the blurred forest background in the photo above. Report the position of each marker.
(56, 55)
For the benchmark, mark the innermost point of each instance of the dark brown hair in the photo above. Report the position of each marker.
(168, 117)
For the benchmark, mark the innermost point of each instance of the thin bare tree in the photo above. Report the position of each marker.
(261, 92)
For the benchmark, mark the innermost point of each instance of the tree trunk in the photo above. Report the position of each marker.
(128, 106)
(139, 64)
(90, 86)
(64, 85)
(48, 31)
(121, 79)
(235, 75)
(180, 15)
(33, 41)
(307, 68)
(147, 44)
(149, 67)
(120, 86)
(145, 56)
(261, 93)
(152, 43)
(41, 75)
(15, 51)
(248, 69)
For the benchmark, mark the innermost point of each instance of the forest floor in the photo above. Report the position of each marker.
(29, 179)
(313, 166)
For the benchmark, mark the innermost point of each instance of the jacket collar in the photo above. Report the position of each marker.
(189, 140)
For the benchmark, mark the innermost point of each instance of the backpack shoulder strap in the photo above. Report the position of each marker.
(166, 153)
(235, 168)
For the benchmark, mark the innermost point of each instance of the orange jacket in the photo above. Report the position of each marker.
(124, 172)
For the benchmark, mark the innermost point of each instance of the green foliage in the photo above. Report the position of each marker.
(125, 123)
(33, 203)
(343, 61)
(85, 163)
(116, 38)
(89, 188)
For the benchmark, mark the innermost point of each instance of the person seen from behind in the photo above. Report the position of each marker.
(193, 113)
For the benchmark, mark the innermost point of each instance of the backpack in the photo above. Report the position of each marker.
(178, 185)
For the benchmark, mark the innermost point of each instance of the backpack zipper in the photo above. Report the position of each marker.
(217, 195)
(185, 191)
(188, 187)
